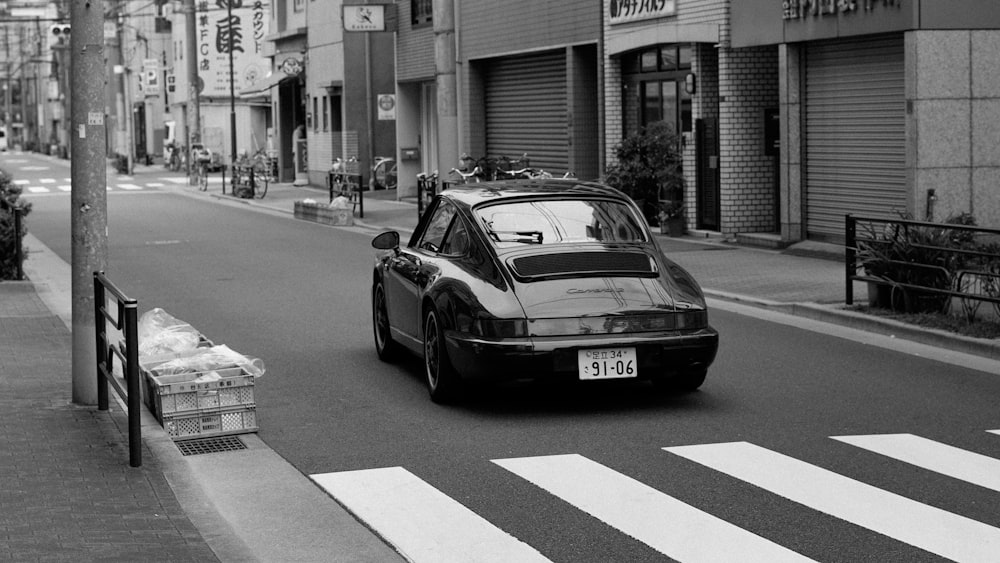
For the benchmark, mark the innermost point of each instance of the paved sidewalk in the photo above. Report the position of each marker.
(69, 494)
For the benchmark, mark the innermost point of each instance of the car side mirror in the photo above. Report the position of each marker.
(388, 240)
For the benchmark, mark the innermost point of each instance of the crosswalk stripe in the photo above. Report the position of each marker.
(21, 182)
(666, 524)
(948, 460)
(176, 180)
(154, 185)
(129, 187)
(37, 189)
(932, 529)
(65, 187)
(48, 180)
(421, 522)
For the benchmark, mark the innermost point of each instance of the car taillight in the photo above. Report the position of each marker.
(619, 324)
(500, 328)
(692, 319)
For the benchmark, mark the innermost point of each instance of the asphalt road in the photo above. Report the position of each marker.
(296, 294)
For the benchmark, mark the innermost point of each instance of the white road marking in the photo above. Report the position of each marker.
(65, 187)
(129, 187)
(38, 189)
(154, 185)
(932, 529)
(666, 524)
(994, 432)
(48, 180)
(421, 522)
(21, 182)
(948, 460)
(175, 180)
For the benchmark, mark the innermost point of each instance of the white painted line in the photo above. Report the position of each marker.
(48, 180)
(67, 179)
(154, 185)
(994, 432)
(932, 529)
(175, 180)
(21, 182)
(38, 189)
(666, 524)
(65, 187)
(125, 178)
(129, 187)
(421, 522)
(948, 460)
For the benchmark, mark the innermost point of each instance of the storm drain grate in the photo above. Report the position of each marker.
(213, 445)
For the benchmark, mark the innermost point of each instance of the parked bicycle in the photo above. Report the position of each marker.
(427, 186)
(467, 177)
(384, 173)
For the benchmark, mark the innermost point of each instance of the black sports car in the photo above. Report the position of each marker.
(538, 279)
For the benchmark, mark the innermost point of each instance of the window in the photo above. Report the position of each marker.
(456, 242)
(298, 5)
(654, 88)
(558, 221)
(326, 115)
(315, 114)
(437, 227)
(421, 12)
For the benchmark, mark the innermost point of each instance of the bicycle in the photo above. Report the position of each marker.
(345, 177)
(261, 170)
(384, 173)
(466, 176)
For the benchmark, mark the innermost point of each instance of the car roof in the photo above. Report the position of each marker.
(482, 192)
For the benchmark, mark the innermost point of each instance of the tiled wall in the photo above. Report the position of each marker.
(953, 88)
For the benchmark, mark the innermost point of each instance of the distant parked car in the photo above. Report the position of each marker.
(3, 140)
(543, 279)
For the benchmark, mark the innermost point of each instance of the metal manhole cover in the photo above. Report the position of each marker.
(214, 445)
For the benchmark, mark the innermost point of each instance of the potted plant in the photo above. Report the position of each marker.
(648, 169)
(671, 218)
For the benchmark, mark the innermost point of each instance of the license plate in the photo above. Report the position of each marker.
(607, 363)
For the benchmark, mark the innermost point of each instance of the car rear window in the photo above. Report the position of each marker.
(555, 221)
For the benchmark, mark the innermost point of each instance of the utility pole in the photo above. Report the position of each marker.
(193, 105)
(232, 90)
(88, 197)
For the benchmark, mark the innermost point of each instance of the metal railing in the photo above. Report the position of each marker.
(114, 310)
(940, 259)
(18, 215)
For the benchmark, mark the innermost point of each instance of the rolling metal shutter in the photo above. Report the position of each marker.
(855, 136)
(526, 109)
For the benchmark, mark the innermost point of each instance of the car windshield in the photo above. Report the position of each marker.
(554, 221)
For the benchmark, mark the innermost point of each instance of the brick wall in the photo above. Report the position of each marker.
(748, 83)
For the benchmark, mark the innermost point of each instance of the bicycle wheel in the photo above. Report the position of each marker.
(391, 180)
(202, 177)
(260, 182)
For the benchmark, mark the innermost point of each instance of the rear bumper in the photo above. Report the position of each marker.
(659, 354)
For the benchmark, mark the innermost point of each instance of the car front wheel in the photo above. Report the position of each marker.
(385, 346)
(442, 381)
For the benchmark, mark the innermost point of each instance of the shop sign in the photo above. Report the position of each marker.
(368, 17)
(219, 34)
(621, 11)
(291, 66)
(801, 9)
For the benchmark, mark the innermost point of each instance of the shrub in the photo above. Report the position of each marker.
(649, 169)
(10, 196)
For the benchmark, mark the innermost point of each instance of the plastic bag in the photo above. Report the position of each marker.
(162, 333)
(340, 202)
(211, 359)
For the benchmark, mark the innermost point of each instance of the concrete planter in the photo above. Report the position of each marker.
(319, 213)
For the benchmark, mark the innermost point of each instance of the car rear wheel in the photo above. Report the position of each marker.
(385, 346)
(683, 382)
(442, 381)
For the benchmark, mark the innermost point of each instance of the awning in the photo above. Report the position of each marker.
(261, 87)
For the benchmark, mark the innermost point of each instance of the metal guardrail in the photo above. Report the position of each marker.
(18, 214)
(880, 240)
(114, 310)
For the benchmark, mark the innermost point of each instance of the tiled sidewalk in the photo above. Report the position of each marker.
(68, 492)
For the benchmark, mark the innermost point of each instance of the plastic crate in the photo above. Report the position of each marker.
(171, 395)
(217, 422)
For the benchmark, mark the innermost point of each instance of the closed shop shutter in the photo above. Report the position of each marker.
(526, 109)
(855, 137)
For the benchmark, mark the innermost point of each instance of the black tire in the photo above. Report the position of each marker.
(684, 382)
(386, 348)
(442, 380)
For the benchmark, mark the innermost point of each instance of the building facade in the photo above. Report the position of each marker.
(886, 107)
